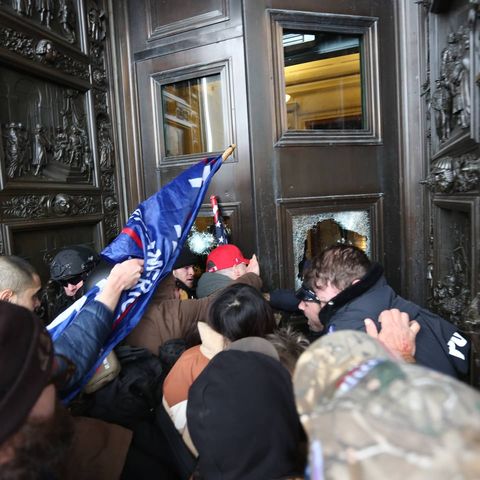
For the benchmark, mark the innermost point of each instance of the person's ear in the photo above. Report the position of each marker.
(6, 295)
(236, 271)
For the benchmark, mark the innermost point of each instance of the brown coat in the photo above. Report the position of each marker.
(166, 319)
(98, 451)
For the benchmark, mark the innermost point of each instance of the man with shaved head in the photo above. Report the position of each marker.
(19, 282)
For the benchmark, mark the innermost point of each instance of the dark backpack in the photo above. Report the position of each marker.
(170, 352)
(132, 396)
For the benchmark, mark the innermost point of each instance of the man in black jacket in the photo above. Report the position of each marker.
(350, 289)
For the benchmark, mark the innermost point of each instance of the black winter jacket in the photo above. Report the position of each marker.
(439, 345)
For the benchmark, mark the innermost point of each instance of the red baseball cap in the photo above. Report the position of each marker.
(225, 256)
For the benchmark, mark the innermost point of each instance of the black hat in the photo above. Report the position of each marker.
(26, 356)
(186, 258)
(73, 261)
(242, 418)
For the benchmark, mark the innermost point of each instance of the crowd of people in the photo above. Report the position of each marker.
(374, 390)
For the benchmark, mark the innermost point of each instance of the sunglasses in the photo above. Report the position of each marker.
(307, 295)
(65, 282)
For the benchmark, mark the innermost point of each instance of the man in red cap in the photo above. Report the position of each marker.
(170, 318)
(224, 264)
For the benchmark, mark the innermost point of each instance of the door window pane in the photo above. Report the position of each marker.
(193, 116)
(312, 233)
(323, 80)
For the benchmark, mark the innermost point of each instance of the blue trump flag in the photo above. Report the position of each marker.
(156, 232)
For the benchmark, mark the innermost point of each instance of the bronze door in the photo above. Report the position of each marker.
(293, 166)
(189, 96)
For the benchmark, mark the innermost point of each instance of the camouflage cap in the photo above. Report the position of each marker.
(369, 417)
(328, 359)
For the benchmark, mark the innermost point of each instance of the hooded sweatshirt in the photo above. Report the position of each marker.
(210, 282)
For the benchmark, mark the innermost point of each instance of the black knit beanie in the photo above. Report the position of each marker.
(186, 258)
(26, 355)
(242, 419)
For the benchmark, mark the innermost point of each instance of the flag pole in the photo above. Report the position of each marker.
(228, 151)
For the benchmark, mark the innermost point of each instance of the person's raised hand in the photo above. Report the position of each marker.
(397, 332)
(122, 277)
(125, 275)
(253, 266)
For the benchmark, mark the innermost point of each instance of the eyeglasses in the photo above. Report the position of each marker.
(65, 282)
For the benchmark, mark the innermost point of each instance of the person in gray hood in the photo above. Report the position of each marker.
(168, 317)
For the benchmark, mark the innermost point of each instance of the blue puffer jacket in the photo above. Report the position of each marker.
(439, 345)
(83, 339)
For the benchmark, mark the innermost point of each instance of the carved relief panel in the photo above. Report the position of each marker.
(451, 87)
(452, 95)
(57, 156)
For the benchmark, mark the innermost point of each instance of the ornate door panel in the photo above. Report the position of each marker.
(452, 96)
(57, 160)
